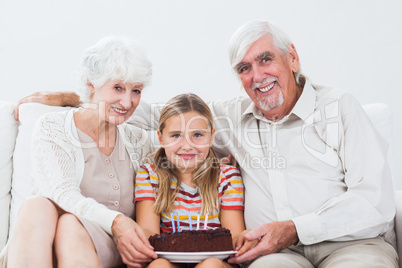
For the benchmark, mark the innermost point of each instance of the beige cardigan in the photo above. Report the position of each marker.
(58, 165)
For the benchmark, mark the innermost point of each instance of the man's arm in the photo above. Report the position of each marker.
(367, 206)
(49, 98)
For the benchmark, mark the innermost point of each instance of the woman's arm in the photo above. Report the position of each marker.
(132, 242)
(57, 170)
(147, 218)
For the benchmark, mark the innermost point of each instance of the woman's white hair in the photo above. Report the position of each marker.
(250, 32)
(113, 58)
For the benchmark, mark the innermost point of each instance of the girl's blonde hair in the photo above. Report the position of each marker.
(205, 176)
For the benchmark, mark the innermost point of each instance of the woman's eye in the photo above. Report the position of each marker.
(137, 91)
(117, 88)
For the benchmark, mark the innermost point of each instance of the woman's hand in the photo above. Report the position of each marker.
(131, 241)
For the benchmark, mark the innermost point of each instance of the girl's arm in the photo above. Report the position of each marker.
(147, 218)
(233, 220)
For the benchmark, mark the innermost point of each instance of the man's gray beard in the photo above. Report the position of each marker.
(271, 102)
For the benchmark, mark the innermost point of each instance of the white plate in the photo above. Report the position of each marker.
(193, 256)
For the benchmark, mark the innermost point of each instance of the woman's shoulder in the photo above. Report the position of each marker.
(56, 117)
(54, 124)
(132, 131)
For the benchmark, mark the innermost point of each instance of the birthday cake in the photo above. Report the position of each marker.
(193, 241)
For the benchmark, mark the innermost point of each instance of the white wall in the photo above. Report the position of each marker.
(355, 45)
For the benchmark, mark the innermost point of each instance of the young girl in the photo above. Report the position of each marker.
(185, 179)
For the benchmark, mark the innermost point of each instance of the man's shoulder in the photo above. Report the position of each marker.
(327, 95)
(230, 106)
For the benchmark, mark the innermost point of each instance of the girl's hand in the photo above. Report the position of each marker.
(131, 241)
(242, 245)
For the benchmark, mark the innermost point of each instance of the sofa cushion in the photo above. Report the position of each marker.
(8, 132)
(29, 114)
(380, 115)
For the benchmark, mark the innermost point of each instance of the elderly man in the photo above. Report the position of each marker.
(318, 188)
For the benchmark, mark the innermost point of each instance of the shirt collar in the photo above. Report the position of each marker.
(303, 108)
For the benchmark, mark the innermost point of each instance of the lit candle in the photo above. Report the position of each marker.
(171, 215)
(189, 220)
(198, 222)
(206, 222)
(178, 222)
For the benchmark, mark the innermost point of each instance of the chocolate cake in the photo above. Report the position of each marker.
(193, 241)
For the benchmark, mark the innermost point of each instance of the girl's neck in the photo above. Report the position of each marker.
(187, 178)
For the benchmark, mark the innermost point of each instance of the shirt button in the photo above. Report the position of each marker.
(116, 203)
(111, 175)
(107, 160)
(115, 187)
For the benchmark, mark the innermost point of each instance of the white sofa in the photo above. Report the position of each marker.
(15, 163)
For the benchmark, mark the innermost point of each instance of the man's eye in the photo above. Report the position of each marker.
(265, 60)
(176, 136)
(243, 69)
(197, 135)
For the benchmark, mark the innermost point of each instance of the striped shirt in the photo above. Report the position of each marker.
(188, 200)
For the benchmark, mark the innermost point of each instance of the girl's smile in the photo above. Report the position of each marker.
(186, 139)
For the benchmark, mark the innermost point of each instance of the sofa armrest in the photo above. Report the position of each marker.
(398, 224)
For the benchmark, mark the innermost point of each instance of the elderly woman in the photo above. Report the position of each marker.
(84, 163)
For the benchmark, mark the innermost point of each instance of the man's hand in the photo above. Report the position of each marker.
(242, 245)
(131, 241)
(274, 237)
(49, 98)
(228, 160)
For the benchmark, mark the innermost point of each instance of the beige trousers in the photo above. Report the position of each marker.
(363, 253)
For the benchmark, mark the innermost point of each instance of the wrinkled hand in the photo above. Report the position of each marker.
(274, 237)
(131, 241)
(242, 245)
(49, 98)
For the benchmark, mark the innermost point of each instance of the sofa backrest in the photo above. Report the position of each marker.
(8, 133)
(21, 186)
(15, 162)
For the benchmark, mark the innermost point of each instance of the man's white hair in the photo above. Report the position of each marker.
(250, 32)
(113, 58)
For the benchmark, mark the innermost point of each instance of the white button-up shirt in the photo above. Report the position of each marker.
(324, 166)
